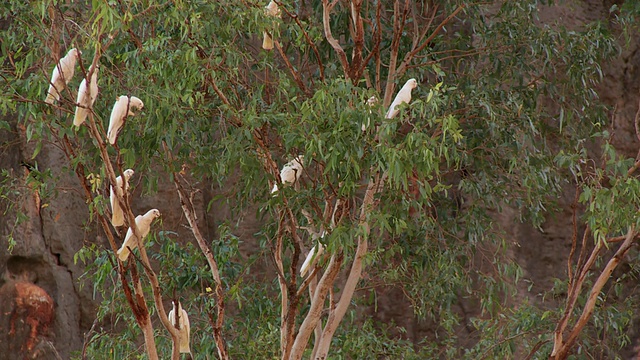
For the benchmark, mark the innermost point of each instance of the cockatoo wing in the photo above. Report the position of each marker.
(290, 172)
(119, 113)
(272, 9)
(61, 75)
(117, 216)
(267, 41)
(143, 223)
(185, 332)
(312, 259)
(294, 170)
(116, 120)
(86, 97)
(55, 86)
(172, 316)
(129, 242)
(404, 96)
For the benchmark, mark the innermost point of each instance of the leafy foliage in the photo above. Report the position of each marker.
(503, 117)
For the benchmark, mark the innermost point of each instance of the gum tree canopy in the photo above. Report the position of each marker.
(501, 118)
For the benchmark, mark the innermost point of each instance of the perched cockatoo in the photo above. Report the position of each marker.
(290, 172)
(143, 223)
(62, 74)
(371, 102)
(273, 11)
(312, 259)
(119, 113)
(404, 96)
(182, 324)
(86, 97)
(117, 218)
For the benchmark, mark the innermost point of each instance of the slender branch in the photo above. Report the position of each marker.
(292, 70)
(313, 46)
(409, 56)
(573, 293)
(282, 282)
(574, 236)
(377, 38)
(357, 65)
(535, 349)
(189, 212)
(398, 25)
(637, 122)
(589, 306)
(342, 56)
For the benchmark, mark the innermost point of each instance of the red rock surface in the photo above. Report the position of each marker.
(27, 312)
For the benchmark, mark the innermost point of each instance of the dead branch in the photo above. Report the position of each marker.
(189, 212)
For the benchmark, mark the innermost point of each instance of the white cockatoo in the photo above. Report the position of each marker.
(290, 172)
(119, 113)
(62, 74)
(86, 97)
(404, 96)
(117, 217)
(371, 102)
(312, 259)
(182, 324)
(272, 11)
(143, 223)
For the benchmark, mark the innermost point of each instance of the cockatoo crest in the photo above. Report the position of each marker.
(404, 96)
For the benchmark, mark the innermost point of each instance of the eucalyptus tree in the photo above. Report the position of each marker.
(500, 117)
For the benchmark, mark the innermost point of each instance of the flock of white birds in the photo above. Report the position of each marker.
(123, 107)
(87, 94)
(291, 171)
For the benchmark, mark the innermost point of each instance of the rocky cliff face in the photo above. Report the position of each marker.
(45, 244)
(46, 308)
